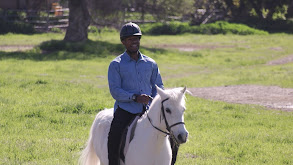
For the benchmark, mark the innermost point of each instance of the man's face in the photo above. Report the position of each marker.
(132, 43)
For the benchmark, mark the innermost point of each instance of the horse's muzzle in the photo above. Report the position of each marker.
(182, 137)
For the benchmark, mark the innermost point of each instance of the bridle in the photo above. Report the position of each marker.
(168, 127)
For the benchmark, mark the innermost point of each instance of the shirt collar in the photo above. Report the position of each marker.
(127, 57)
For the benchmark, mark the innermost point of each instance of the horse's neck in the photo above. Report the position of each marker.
(154, 114)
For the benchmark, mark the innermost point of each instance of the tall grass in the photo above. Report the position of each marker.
(49, 96)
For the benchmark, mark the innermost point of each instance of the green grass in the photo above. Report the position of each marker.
(23, 39)
(223, 133)
(49, 96)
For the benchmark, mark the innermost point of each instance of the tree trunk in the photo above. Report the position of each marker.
(290, 10)
(141, 6)
(79, 20)
(243, 11)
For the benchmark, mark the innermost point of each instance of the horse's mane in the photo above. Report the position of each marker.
(173, 94)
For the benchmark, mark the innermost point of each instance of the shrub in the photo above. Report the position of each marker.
(166, 28)
(225, 28)
(16, 27)
(56, 30)
(220, 27)
(93, 29)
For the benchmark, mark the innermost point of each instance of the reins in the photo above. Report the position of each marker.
(166, 122)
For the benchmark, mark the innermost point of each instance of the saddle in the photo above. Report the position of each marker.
(127, 137)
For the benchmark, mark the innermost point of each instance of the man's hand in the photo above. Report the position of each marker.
(144, 99)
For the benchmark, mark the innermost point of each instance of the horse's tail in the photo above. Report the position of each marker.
(88, 155)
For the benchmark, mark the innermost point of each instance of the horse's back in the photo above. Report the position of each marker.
(100, 131)
(104, 117)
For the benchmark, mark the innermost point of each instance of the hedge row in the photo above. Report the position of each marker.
(220, 27)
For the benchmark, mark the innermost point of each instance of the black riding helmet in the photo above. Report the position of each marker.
(130, 29)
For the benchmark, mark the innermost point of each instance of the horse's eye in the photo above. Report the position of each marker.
(168, 110)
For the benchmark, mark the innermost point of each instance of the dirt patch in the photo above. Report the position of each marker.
(280, 61)
(192, 47)
(12, 48)
(272, 97)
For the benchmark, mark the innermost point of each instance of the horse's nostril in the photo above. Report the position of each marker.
(180, 138)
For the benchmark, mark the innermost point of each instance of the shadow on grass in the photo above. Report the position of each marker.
(61, 50)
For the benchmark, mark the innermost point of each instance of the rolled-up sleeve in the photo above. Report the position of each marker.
(114, 80)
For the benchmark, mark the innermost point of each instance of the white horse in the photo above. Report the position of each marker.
(150, 144)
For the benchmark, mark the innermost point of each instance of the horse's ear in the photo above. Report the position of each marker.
(160, 91)
(183, 90)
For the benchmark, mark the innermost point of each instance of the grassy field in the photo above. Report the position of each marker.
(49, 97)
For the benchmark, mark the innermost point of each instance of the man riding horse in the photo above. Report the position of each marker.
(132, 78)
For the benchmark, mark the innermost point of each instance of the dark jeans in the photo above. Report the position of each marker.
(119, 124)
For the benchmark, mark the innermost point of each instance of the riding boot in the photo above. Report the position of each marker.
(119, 123)
(175, 149)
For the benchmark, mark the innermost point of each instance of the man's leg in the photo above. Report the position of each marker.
(175, 149)
(120, 122)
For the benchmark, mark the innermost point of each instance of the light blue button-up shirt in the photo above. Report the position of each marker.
(127, 77)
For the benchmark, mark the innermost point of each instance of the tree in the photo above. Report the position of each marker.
(161, 9)
(264, 9)
(79, 20)
(207, 10)
(290, 10)
(34, 6)
(107, 12)
(238, 8)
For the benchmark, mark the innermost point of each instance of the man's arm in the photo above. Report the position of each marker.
(114, 80)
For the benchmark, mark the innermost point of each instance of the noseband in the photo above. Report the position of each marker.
(168, 127)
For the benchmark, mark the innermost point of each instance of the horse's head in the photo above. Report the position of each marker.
(172, 110)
